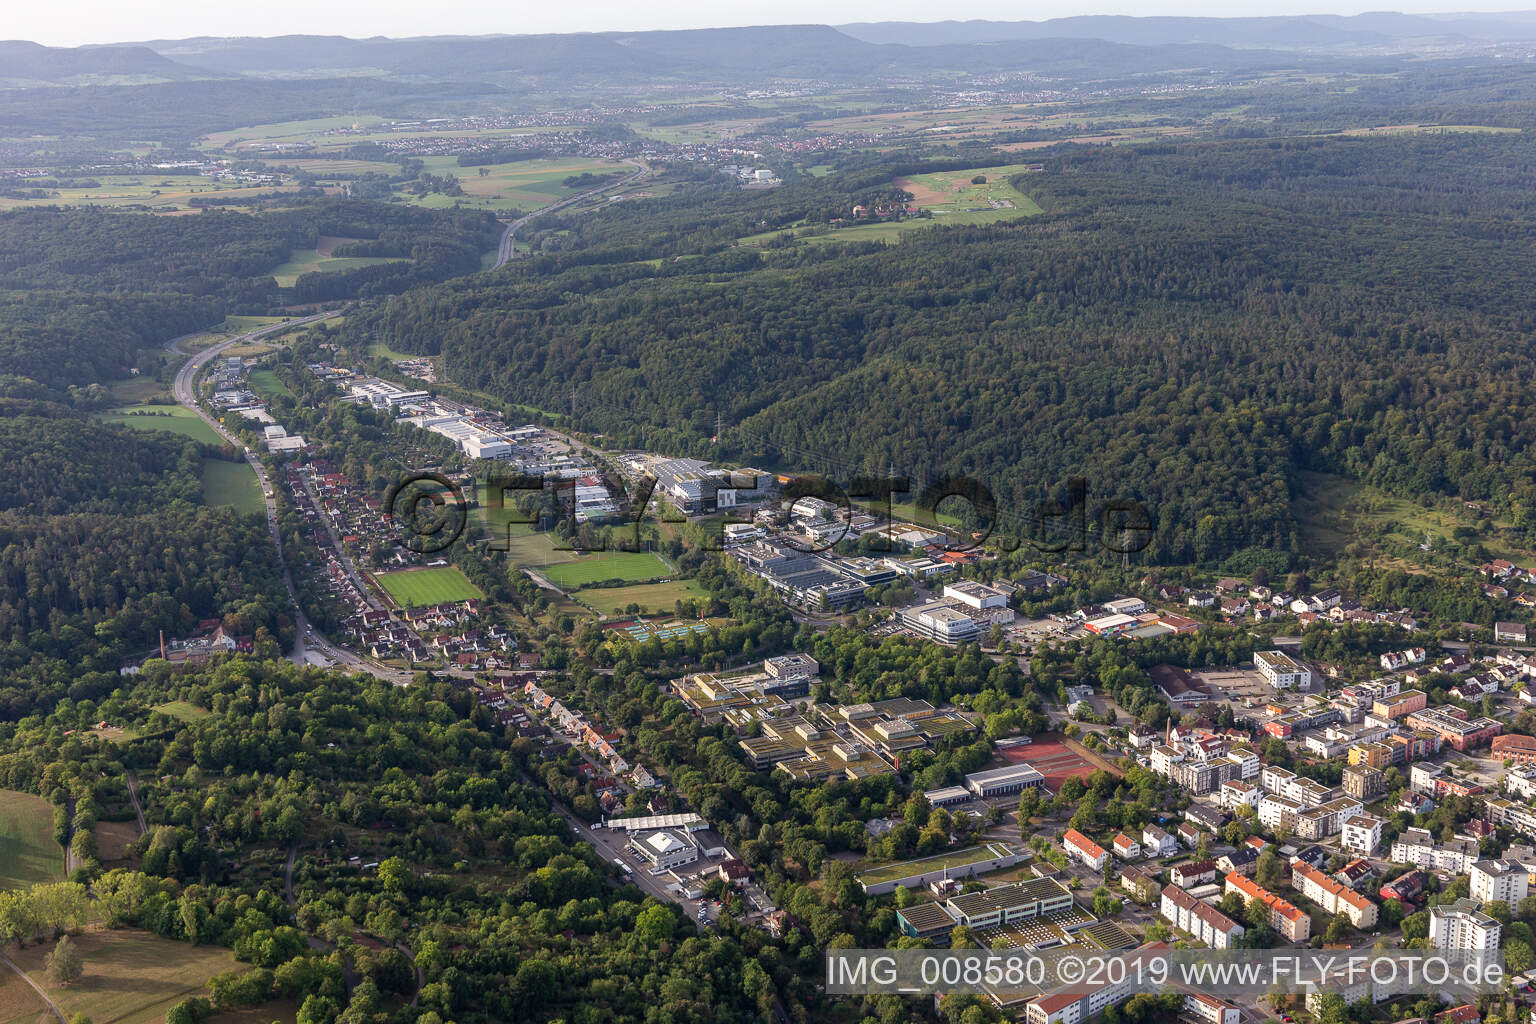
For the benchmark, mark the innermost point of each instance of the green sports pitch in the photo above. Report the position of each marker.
(414, 587)
(631, 567)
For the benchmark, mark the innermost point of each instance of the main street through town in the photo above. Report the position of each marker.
(310, 646)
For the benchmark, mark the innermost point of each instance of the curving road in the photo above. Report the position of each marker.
(504, 251)
(307, 639)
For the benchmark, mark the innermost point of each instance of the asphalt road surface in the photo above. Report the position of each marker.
(310, 646)
(505, 250)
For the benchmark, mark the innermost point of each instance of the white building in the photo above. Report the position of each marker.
(1157, 842)
(1417, 847)
(1201, 1007)
(1499, 880)
(1361, 834)
(668, 848)
(945, 621)
(1461, 926)
(1281, 670)
(1199, 919)
(1277, 812)
(1237, 793)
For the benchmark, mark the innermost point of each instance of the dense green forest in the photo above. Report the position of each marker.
(477, 883)
(104, 543)
(111, 288)
(1187, 325)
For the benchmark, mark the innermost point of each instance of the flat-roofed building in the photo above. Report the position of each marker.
(976, 595)
(945, 622)
(1363, 782)
(1111, 625)
(1126, 606)
(791, 666)
(929, 921)
(1400, 704)
(1451, 724)
(1006, 904)
(1013, 778)
(667, 848)
(1281, 670)
(1361, 834)
(946, 795)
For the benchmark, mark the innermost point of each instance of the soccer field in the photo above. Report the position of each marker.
(632, 567)
(414, 587)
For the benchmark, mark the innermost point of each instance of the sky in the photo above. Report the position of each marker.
(75, 22)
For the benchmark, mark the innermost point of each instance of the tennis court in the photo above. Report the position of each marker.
(1052, 757)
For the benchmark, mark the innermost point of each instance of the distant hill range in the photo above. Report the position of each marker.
(1066, 47)
(24, 63)
(1385, 31)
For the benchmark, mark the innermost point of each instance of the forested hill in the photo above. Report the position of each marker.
(1188, 325)
(111, 288)
(104, 542)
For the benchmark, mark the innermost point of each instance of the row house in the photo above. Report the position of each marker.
(1284, 916)
(1199, 919)
(1332, 895)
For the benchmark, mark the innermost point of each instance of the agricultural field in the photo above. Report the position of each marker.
(19, 1004)
(957, 198)
(948, 197)
(242, 324)
(154, 192)
(28, 853)
(304, 261)
(308, 130)
(413, 587)
(131, 977)
(525, 185)
(652, 598)
(609, 565)
(233, 484)
(380, 349)
(175, 418)
(136, 390)
(282, 1011)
